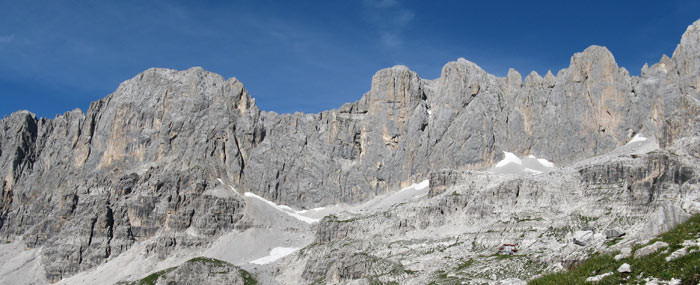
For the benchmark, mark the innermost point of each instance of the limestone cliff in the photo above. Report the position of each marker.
(142, 163)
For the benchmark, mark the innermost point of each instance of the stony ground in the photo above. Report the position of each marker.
(175, 165)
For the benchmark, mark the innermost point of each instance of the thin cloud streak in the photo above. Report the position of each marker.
(7, 39)
(390, 20)
(381, 3)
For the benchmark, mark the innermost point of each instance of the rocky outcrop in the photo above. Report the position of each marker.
(649, 249)
(454, 235)
(582, 238)
(345, 266)
(625, 268)
(200, 270)
(143, 163)
(86, 187)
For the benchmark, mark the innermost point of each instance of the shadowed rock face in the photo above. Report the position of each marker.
(139, 163)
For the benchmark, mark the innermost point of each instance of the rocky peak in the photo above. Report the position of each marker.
(594, 61)
(461, 66)
(396, 86)
(533, 79)
(690, 41)
(550, 79)
(153, 155)
(687, 59)
(158, 87)
(460, 77)
(514, 80)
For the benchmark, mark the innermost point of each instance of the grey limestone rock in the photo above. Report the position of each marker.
(202, 271)
(613, 233)
(140, 165)
(583, 237)
(481, 211)
(624, 253)
(649, 249)
(625, 268)
(511, 281)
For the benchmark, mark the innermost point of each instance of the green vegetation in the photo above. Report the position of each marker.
(335, 219)
(520, 220)
(584, 220)
(212, 261)
(376, 282)
(559, 233)
(248, 278)
(686, 268)
(151, 279)
(508, 256)
(319, 281)
(612, 242)
(441, 278)
(465, 264)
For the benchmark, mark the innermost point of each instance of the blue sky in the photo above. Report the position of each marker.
(307, 56)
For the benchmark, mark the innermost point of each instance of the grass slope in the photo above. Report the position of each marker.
(686, 268)
(151, 279)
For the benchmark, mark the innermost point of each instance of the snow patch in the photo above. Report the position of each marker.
(285, 209)
(512, 164)
(222, 192)
(420, 196)
(275, 254)
(312, 210)
(509, 158)
(544, 162)
(229, 186)
(418, 186)
(637, 138)
(532, 171)
(383, 202)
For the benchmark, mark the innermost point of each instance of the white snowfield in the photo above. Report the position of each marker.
(512, 164)
(311, 210)
(532, 171)
(509, 158)
(222, 192)
(545, 162)
(383, 202)
(275, 254)
(637, 138)
(286, 209)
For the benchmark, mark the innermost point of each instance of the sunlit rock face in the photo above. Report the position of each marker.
(147, 164)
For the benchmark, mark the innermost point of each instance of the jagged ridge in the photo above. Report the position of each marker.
(141, 160)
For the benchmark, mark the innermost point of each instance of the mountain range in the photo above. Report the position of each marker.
(181, 171)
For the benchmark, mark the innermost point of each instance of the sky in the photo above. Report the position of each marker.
(308, 56)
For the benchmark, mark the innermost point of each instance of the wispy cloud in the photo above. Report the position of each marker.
(6, 39)
(381, 3)
(390, 19)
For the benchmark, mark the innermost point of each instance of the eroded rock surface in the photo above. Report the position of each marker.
(161, 160)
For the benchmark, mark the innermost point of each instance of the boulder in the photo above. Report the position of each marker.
(677, 254)
(613, 233)
(597, 278)
(649, 249)
(624, 268)
(624, 253)
(582, 238)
